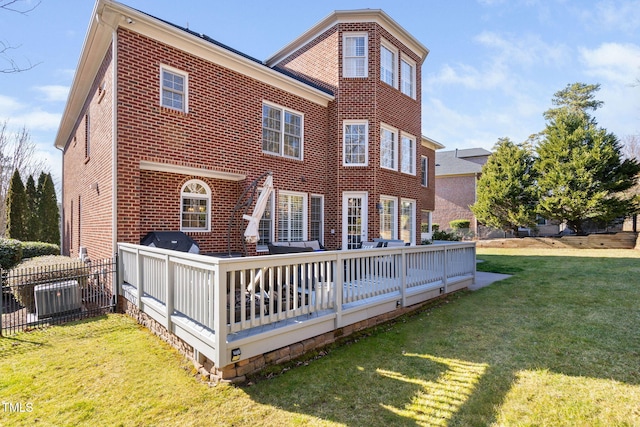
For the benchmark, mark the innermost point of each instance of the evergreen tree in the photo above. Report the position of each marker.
(582, 175)
(506, 198)
(48, 212)
(16, 208)
(32, 232)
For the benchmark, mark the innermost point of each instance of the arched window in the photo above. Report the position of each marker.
(195, 206)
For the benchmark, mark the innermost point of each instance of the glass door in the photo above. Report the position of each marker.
(354, 219)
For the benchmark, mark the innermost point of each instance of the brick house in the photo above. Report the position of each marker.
(165, 128)
(457, 173)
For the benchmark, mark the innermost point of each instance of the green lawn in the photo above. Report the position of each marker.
(556, 344)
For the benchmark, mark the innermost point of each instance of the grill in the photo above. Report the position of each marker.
(174, 240)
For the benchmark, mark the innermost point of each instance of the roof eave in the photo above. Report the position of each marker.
(350, 16)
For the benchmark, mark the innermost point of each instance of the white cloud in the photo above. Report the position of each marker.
(615, 62)
(54, 93)
(617, 15)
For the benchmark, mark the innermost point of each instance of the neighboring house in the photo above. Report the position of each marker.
(457, 172)
(165, 128)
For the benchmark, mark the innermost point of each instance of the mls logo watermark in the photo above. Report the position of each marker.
(16, 407)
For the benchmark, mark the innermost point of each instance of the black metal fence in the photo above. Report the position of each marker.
(41, 296)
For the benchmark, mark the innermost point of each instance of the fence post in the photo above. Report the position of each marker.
(115, 281)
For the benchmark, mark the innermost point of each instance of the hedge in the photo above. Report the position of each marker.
(10, 253)
(36, 249)
(458, 224)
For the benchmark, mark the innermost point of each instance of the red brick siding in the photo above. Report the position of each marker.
(91, 223)
(222, 130)
(454, 195)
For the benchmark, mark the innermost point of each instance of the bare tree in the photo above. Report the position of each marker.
(631, 146)
(22, 7)
(17, 152)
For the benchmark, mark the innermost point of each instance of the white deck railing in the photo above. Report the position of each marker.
(258, 304)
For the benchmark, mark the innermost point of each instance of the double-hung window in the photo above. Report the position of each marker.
(195, 201)
(292, 213)
(388, 148)
(281, 131)
(388, 64)
(424, 171)
(408, 77)
(408, 152)
(355, 146)
(173, 88)
(354, 55)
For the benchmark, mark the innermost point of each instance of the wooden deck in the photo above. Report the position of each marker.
(233, 309)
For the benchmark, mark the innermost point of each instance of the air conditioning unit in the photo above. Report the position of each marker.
(57, 298)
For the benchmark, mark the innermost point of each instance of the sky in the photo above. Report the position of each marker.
(492, 70)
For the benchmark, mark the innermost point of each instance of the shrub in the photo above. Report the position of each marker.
(37, 249)
(10, 253)
(45, 269)
(459, 224)
(443, 235)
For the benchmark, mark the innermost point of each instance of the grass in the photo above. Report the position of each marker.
(556, 344)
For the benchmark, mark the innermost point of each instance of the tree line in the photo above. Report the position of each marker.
(573, 172)
(32, 210)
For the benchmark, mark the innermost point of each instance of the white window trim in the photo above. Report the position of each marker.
(387, 45)
(184, 74)
(366, 142)
(411, 63)
(321, 197)
(412, 239)
(394, 219)
(413, 153)
(284, 110)
(396, 156)
(424, 167)
(305, 212)
(366, 54)
(206, 197)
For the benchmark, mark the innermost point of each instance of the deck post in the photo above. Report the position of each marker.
(169, 303)
(139, 279)
(445, 271)
(403, 278)
(339, 289)
(222, 356)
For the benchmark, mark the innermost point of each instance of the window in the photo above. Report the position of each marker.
(388, 64)
(292, 209)
(316, 231)
(408, 149)
(424, 171)
(407, 220)
(265, 227)
(407, 78)
(173, 93)
(388, 212)
(355, 144)
(281, 132)
(354, 55)
(388, 148)
(195, 202)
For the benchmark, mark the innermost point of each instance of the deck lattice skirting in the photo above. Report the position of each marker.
(234, 316)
